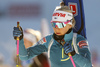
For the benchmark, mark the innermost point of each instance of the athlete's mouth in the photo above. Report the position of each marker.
(58, 33)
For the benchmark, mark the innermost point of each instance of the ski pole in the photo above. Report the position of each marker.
(71, 59)
(17, 63)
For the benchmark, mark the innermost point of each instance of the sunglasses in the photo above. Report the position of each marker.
(59, 24)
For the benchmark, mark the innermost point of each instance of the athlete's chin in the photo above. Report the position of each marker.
(59, 34)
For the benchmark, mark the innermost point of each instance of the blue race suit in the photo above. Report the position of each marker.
(56, 51)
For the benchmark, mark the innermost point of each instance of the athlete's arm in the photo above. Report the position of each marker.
(83, 59)
(33, 51)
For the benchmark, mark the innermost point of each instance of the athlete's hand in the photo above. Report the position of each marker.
(68, 48)
(17, 32)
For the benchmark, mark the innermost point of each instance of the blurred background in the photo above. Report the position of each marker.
(32, 14)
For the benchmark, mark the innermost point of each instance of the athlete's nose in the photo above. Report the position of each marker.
(57, 28)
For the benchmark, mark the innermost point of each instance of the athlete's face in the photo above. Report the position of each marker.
(62, 31)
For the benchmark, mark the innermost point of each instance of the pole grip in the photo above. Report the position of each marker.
(69, 54)
(18, 24)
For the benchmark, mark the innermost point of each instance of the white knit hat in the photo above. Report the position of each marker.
(32, 35)
(62, 16)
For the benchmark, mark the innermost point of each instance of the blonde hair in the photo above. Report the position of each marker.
(64, 8)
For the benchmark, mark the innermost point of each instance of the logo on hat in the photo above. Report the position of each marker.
(73, 7)
(59, 14)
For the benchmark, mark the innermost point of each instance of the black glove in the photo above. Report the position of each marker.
(17, 32)
(68, 49)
